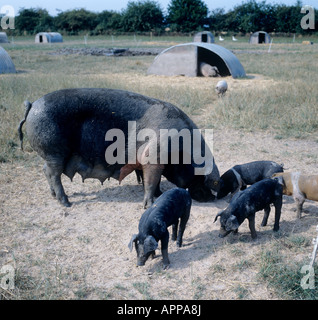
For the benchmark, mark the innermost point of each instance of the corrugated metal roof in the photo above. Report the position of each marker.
(6, 64)
(50, 37)
(3, 37)
(254, 38)
(198, 37)
(231, 61)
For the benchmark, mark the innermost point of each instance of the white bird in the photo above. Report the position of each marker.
(233, 38)
(221, 88)
(220, 38)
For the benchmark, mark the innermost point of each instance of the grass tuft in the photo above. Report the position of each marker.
(283, 277)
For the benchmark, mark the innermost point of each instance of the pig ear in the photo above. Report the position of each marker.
(231, 223)
(150, 244)
(130, 244)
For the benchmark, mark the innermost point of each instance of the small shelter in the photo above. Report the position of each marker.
(3, 37)
(6, 64)
(204, 36)
(260, 37)
(48, 37)
(186, 59)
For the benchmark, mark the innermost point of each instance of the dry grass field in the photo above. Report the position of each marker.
(82, 252)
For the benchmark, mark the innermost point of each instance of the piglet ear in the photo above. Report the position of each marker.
(231, 223)
(130, 244)
(150, 244)
(280, 180)
(218, 215)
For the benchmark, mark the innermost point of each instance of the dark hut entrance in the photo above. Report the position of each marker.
(209, 57)
(261, 37)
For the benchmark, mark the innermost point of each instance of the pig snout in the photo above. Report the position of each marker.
(141, 261)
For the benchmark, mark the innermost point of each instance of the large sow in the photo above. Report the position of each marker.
(69, 130)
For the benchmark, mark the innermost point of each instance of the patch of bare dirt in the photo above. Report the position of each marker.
(82, 252)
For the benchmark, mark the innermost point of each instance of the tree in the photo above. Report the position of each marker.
(252, 16)
(33, 20)
(108, 21)
(187, 15)
(142, 16)
(74, 21)
(216, 19)
(288, 18)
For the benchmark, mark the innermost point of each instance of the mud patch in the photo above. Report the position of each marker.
(117, 52)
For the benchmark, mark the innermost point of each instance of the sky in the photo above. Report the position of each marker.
(118, 5)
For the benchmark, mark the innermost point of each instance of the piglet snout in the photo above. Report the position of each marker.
(140, 263)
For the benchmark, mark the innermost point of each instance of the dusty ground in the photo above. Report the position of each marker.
(81, 252)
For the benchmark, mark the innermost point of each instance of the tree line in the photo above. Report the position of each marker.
(182, 16)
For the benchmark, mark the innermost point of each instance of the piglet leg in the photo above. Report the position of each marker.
(183, 223)
(266, 215)
(175, 231)
(299, 204)
(278, 208)
(164, 249)
(251, 224)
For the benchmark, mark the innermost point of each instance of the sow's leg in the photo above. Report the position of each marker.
(152, 175)
(53, 171)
